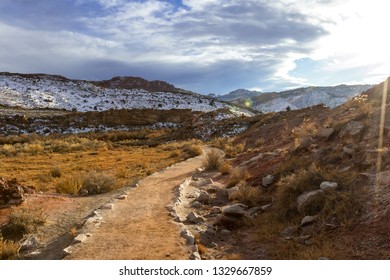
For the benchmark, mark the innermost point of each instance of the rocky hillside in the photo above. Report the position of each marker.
(56, 92)
(296, 98)
(311, 183)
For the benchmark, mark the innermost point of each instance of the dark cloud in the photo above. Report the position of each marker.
(240, 44)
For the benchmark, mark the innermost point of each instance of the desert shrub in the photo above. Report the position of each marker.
(338, 204)
(122, 172)
(95, 183)
(192, 150)
(306, 129)
(224, 168)
(70, 184)
(212, 160)
(8, 249)
(33, 148)
(220, 142)
(260, 142)
(230, 148)
(23, 221)
(8, 150)
(291, 186)
(238, 174)
(90, 183)
(55, 172)
(174, 154)
(247, 194)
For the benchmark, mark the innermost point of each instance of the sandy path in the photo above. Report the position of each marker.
(140, 227)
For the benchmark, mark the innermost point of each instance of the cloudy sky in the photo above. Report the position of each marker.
(207, 46)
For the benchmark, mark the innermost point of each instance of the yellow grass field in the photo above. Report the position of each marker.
(126, 164)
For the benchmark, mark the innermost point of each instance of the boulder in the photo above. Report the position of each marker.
(202, 183)
(288, 232)
(188, 236)
(204, 198)
(303, 143)
(233, 192)
(81, 238)
(107, 206)
(353, 132)
(215, 210)
(194, 218)
(328, 186)
(122, 197)
(308, 220)
(229, 221)
(252, 212)
(311, 202)
(267, 180)
(348, 151)
(325, 133)
(195, 256)
(383, 178)
(12, 193)
(196, 204)
(225, 234)
(235, 210)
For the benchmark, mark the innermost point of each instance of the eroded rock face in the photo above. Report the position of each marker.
(325, 133)
(12, 193)
(353, 132)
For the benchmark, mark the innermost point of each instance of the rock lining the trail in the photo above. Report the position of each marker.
(211, 221)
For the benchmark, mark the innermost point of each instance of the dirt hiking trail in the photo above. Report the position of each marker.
(139, 227)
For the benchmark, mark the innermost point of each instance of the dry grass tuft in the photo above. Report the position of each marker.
(224, 168)
(87, 184)
(9, 250)
(23, 221)
(55, 172)
(73, 231)
(212, 160)
(192, 150)
(237, 175)
(122, 172)
(248, 195)
(70, 184)
(230, 148)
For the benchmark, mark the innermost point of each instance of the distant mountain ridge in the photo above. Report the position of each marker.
(34, 91)
(239, 94)
(299, 98)
(137, 83)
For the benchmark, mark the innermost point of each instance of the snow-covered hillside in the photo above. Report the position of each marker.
(298, 98)
(306, 97)
(56, 92)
